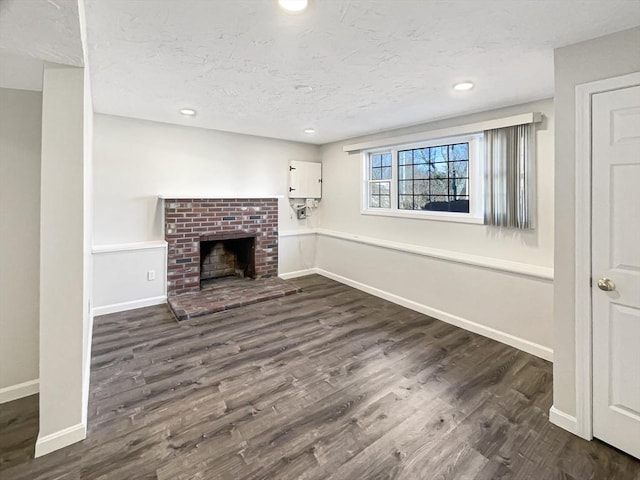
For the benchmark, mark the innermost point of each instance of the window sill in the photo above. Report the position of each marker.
(437, 216)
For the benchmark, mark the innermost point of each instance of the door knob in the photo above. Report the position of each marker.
(606, 284)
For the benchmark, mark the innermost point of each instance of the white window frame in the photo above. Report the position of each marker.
(371, 181)
(476, 183)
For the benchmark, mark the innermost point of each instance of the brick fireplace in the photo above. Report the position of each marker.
(242, 233)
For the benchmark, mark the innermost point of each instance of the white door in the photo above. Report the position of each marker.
(616, 257)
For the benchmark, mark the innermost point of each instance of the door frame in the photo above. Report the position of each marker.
(582, 278)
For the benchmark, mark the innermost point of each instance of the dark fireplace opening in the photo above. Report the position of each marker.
(225, 257)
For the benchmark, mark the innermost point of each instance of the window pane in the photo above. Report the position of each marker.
(405, 173)
(385, 188)
(419, 201)
(440, 170)
(376, 173)
(460, 152)
(461, 205)
(376, 160)
(405, 187)
(386, 159)
(459, 169)
(374, 201)
(386, 173)
(440, 187)
(440, 153)
(421, 156)
(421, 171)
(421, 187)
(437, 203)
(375, 189)
(385, 201)
(405, 202)
(405, 157)
(458, 187)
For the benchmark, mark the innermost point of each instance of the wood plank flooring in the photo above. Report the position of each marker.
(18, 431)
(328, 384)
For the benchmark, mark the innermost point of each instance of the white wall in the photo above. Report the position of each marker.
(516, 305)
(120, 281)
(137, 160)
(20, 131)
(64, 293)
(597, 59)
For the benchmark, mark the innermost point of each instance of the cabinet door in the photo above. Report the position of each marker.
(305, 179)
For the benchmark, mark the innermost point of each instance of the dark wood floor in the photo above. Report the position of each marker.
(18, 431)
(330, 383)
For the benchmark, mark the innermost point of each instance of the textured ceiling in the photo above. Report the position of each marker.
(372, 64)
(47, 30)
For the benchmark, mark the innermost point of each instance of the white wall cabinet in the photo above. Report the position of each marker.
(305, 179)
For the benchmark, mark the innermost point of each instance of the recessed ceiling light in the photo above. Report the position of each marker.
(293, 6)
(188, 112)
(463, 86)
(309, 131)
(303, 88)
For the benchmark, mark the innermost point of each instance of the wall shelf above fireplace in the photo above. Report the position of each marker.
(215, 196)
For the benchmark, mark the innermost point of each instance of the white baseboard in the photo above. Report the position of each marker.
(298, 273)
(516, 342)
(122, 307)
(563, 420)
(14, 392)
(60, 439)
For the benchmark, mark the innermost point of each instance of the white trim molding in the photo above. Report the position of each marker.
(521, 344)
(297, 233)
(298, 273)
(535, 271)
(122, 307)
(563, 420)
(214, 196)
(525, 269)
(57, 440)
(20, 390)
(125, 247)
(531, 117)
(582, 278)
(424, 215)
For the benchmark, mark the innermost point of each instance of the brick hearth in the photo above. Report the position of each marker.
(187, 221)
(228, 294)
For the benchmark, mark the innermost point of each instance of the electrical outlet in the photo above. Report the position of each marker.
(151, 275)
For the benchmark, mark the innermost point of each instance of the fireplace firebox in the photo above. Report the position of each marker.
(227, 255)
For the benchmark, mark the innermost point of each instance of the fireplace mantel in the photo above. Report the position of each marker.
(214, 197)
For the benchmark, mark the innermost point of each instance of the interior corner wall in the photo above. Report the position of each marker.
(390, 256)
(87, 134)
(63, 311)
(20, 137)
(135, 161)
(596, 59)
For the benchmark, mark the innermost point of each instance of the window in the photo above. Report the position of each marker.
(380, 180)
(438, 180)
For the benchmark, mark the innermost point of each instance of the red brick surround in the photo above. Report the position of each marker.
(189, 220)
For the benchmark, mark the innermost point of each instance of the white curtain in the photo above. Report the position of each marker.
(509, 176)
